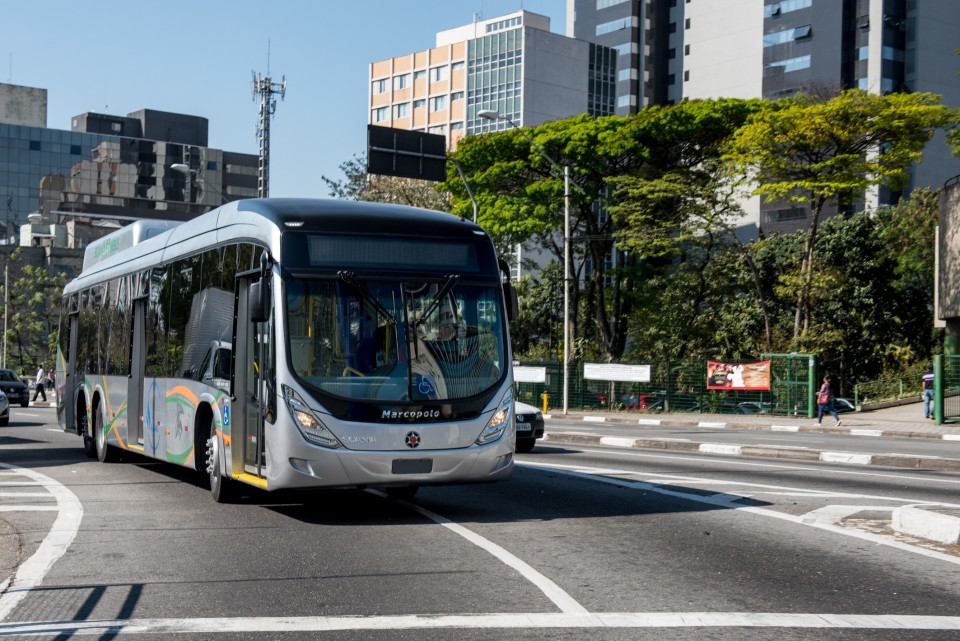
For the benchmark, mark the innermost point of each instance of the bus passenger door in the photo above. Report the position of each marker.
(135, 380)
(67, 398)
(252, 364)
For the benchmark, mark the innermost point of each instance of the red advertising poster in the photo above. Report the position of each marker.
(750, 377)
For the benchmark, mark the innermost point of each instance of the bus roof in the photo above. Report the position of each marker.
(261, 221)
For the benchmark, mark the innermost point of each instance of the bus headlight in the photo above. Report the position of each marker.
(311, 427)
(499, 422)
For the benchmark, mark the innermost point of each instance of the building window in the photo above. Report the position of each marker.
(438, 103)
(402, 110)
(380, 86)
(420, 73)
(614, 25)
(686, 23)
(785, 6)
(671, 53)
(786, 66)
(34, 145)
(603, 4)
(419, 103)
(686, 50)
(787, 35)
(456, 126)
(672, 27)
(379, 114)
(439, 73)
(457, 66)
(401, 81)
(456, 95)
(686, 76)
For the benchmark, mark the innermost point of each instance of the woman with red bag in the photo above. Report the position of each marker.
(825, 402)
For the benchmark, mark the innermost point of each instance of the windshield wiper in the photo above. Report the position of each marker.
(360, 287)
(435, 303)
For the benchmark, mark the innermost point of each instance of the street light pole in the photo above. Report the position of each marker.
(490, 114)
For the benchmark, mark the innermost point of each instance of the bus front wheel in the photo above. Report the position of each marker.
(221, 488)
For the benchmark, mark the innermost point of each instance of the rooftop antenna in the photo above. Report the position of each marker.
(265, 88)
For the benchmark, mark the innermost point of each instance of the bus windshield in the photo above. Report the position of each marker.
(395, 340)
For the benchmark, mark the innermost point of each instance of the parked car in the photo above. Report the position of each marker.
(13, 388)
(4, 410)
(529, 423)
(638, 401)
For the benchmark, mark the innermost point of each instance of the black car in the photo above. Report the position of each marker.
(13, 387)
(529, 426)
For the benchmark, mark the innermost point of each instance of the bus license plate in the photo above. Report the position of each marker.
(413, 466)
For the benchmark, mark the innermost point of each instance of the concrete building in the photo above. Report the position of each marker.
(106, 170)
(774, 48)
(512, 64)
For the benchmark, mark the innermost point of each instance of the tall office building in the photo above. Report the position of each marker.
(772, 49)
(110, 167)
(512, 64)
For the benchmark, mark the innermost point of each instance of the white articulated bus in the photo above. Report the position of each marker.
(287, 343)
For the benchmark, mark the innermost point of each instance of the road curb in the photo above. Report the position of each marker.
(910, 461)
(772, 427)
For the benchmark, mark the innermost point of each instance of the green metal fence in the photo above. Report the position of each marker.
(946, 389)
(677, 386)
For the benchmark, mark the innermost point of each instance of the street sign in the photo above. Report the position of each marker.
(406, 154)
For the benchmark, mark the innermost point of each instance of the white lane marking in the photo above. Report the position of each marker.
(719, 448)
(846, 457)
(595, 419)
(617, 441)
(836, 513)
(21, 494)
(951, 437)
(785, 428)
(862, 432)
(708, 424)
(566, 603)
(648, 421)
(537, 620)
(31, 572)
(603, 475)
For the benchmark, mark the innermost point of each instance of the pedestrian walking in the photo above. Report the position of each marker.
(825, 402)
(928, 394)
(41, 381)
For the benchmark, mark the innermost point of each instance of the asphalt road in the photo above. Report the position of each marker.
(583, 542)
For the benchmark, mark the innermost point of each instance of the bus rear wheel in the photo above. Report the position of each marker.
(89, 447)
(105, 452)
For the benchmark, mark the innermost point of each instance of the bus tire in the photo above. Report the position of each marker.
(221, 488)
(105, 453)
(89, 446)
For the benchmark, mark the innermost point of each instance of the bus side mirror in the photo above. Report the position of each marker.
(258, 301)
(513, 302)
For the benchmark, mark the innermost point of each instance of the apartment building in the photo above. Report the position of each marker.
(512, 64)
(108, 167)
(683, 49)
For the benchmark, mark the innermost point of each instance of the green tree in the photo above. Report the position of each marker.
(33, 310)
(357, 184)
(811, 152)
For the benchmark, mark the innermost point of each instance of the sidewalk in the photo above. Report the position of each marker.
(935, 522)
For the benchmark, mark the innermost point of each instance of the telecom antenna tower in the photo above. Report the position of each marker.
(265, 88)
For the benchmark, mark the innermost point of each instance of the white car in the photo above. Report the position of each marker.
(4, 409)
(529, 422)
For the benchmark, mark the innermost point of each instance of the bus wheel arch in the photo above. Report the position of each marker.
(202, 432)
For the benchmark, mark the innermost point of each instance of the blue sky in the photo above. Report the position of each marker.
(196, 57)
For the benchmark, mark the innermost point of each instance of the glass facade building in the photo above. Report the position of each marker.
(57, 173)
